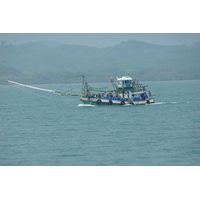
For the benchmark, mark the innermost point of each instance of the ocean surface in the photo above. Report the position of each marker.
(44, 129)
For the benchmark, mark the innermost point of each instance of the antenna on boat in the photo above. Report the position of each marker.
(121, 73)
(130, 73)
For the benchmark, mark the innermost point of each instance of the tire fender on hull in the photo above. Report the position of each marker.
(110, 102)
(99, 101)
(122, 102)
(148, 102)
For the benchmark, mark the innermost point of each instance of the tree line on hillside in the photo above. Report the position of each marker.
(52, 62)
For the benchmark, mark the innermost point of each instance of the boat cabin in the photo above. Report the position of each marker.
(125, 82)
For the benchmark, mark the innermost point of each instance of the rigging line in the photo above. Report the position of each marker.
(73, 89)
(75, 78)
(40, 95)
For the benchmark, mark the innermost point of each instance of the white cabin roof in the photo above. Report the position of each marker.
(124, 78)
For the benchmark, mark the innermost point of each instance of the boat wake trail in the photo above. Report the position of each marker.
(86, 105)
(162, 103)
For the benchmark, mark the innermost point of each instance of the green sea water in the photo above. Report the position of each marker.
(43, 129)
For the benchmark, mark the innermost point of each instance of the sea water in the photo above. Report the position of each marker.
(43, 129)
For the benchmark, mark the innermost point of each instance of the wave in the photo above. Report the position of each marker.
(161, 103)
(157, 103)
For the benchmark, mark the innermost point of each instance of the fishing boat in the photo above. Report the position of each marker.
(127, 91)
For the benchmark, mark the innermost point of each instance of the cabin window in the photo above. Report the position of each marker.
(125, 82)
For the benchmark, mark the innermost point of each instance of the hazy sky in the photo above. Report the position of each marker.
(101, 24)
(102, 39)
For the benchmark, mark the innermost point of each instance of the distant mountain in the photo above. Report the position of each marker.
(196, 44)
(53, 62)
(8, 73)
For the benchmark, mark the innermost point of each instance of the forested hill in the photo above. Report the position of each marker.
(53, 62)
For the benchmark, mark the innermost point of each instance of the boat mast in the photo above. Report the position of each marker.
(114, 86)
(122, 85)
(85, 87)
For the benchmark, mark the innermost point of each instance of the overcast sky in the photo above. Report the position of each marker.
(100, 23)
(102, 39)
